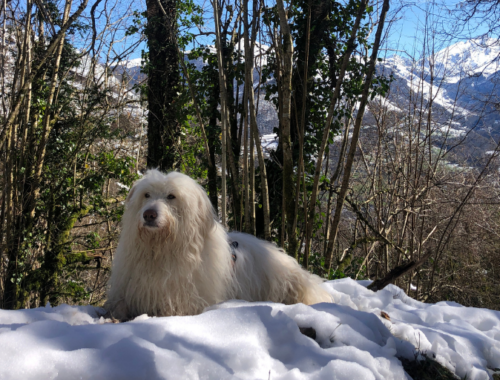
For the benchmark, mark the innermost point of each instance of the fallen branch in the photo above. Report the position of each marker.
(398, 272)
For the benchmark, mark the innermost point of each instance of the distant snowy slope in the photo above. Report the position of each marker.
(454, 63)
(136, 62)
(409, 74)
(463, 81)
(267, 117)
(241, 340)
(464, 89)
(468, 58)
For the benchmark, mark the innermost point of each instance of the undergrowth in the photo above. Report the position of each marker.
(425, 368)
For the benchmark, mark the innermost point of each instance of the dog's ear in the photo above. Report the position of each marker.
(205, 210)
(130, 194)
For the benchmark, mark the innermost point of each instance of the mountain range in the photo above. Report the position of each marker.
(463, 81)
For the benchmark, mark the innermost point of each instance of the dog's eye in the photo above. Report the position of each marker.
(171, 196)
(147, 195)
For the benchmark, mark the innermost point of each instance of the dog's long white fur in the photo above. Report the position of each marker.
(184, 262)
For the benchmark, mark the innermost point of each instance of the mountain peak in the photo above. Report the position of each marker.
(468, 58)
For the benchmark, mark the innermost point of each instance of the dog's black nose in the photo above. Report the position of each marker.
(149, 215)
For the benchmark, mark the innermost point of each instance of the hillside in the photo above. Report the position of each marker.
(464, 89)
(463, 83)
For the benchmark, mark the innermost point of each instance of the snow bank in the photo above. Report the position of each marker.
(241, 340)
(466, 340)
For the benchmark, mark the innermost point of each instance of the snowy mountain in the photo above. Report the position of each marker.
(267, 118)
(468, 59)
(463, 80)
(362, 336)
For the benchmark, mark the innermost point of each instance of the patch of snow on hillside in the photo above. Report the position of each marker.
(136, 62)
(446, 130)
(269, 142)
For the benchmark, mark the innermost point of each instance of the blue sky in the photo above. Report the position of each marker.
(410, 21)
(438, 19)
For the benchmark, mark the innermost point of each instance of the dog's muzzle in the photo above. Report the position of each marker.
(149, 217)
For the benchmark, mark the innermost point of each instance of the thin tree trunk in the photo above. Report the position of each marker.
(333, 180)
(4, 51)
(246, 179)
(326, 130)
(252, 183)
(286, 141)
(192, 90)
(235, 188)
(46, 123)
(11, 285)
(355, 135)
(223, 102)
(19, 98)
(210, 154)
(303, 122)
(249, 64)
(246, 174)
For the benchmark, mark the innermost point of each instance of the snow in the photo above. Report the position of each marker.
(457, 70)
(409, 71)
(446, 130)
(242, 340)
(122, 186)
(136, 62)
(259, 52)
(269, 142)
(466, 340)
(340, 138)
(466, 58)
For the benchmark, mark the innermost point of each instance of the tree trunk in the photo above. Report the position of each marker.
(249, 64)
(18, 99)
(246, 174)
(212, 141)
(355, 135)
(329, 118)
(21, 224)
(286, 141)
(223, 106)
(163, 85)
(251, 183)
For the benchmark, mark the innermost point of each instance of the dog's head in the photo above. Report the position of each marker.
(169, 208)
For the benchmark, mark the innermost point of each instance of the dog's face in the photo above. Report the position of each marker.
(169, 207)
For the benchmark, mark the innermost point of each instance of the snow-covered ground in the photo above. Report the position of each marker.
(241, 340)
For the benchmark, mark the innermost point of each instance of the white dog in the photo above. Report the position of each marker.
(173, 258)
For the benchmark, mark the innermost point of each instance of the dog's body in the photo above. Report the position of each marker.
(173, 258)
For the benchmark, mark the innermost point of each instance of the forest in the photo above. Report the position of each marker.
(294, 116)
